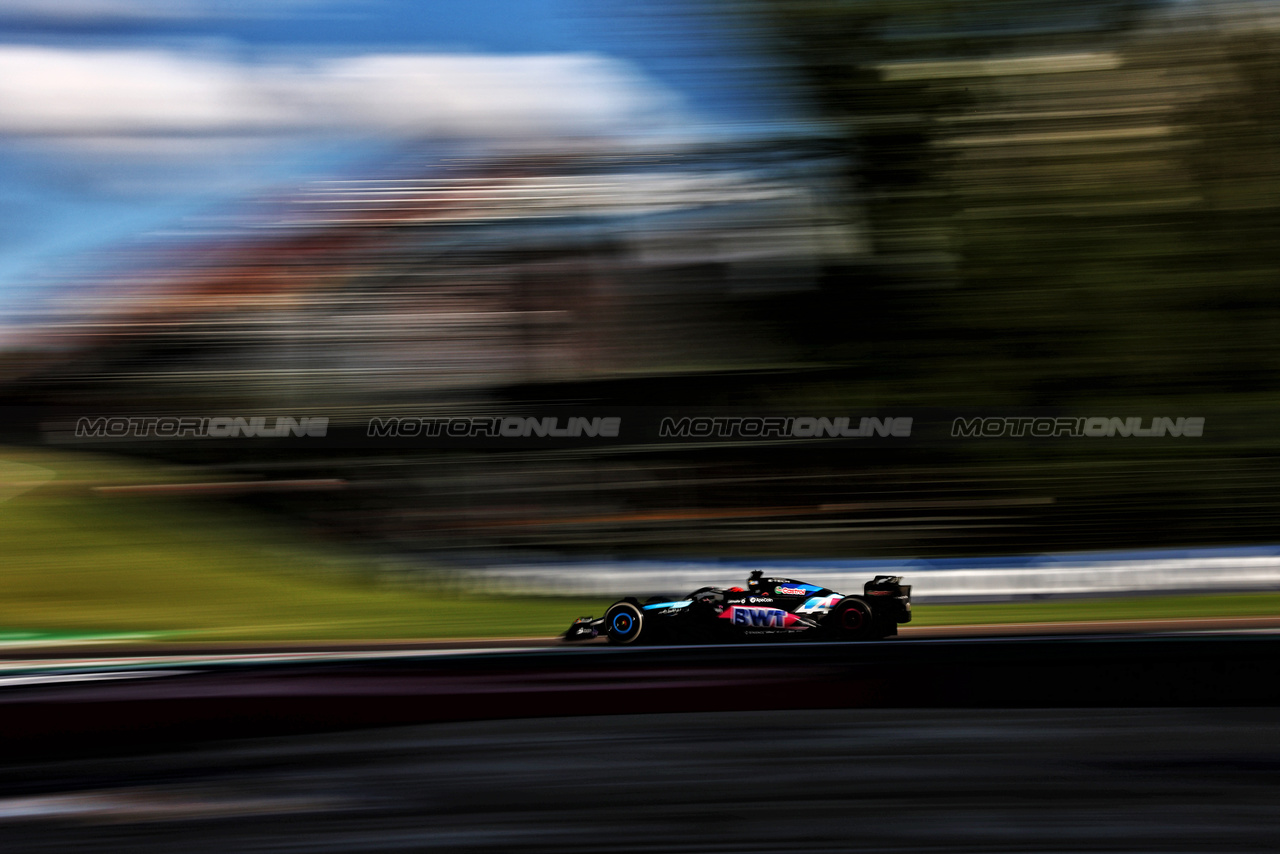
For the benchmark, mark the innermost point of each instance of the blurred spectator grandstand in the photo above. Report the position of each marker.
(470, 275)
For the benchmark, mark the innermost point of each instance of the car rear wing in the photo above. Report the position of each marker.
(887, 593)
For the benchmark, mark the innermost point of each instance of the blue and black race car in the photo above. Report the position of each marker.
(766, 609)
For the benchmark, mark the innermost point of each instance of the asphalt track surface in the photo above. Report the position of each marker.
(79, 704)
(1137, 741)
(926, 781)
(23, 652)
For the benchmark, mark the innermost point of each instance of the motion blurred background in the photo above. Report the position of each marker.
(346, 209)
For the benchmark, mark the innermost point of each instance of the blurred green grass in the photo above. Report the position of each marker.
(72, 559)
(76, 560)
(1173, 606)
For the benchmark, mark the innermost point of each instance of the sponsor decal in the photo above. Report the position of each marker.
(784, 590)
(819, 603)
(755, 599)
(775, 618)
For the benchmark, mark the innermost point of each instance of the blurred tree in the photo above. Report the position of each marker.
(894, 170)
(1038, 233)
(1071, 207)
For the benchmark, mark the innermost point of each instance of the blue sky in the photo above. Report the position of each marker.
(121, 118)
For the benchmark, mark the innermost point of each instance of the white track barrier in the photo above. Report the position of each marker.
(1218, 570)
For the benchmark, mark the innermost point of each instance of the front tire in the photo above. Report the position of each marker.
(624, 623)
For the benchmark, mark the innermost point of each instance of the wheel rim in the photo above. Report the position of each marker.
(852, 619)
(623, 623)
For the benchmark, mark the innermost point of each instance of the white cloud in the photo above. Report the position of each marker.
(55, 92)
(58, 92)
(489, 95)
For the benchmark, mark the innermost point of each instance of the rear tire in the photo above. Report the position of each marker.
(624, 623)
(851, 620)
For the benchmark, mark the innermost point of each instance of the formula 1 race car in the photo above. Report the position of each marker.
(766, 609)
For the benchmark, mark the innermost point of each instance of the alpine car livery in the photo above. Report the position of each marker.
(766, 609)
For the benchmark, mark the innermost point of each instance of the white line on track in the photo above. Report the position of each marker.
(130, 662)
(58, 678)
